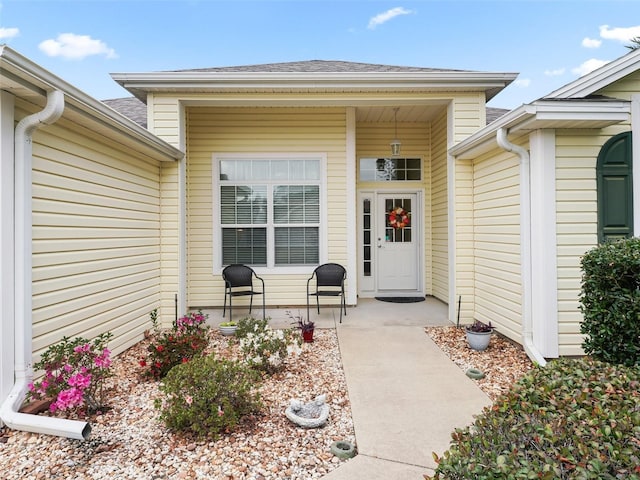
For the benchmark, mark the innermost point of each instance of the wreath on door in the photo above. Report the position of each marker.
(398, 218)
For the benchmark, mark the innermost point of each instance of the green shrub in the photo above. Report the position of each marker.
(188, 338)
(207, 396)
(573, 419)
(610, 302)
(264, 348)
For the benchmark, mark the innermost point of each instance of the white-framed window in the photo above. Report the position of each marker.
(268, 210)
(390, 169)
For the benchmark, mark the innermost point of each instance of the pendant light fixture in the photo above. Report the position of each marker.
(395, 143)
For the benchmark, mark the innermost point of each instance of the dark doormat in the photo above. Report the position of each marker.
(401, 299)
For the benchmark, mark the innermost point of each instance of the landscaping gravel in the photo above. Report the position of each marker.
(129, 442)
(502, 363)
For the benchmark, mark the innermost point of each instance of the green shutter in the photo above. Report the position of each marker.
(615, 189)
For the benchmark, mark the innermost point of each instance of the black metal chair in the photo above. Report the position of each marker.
(330, 279)
(238, 282)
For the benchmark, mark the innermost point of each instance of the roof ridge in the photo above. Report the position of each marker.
(316, 66)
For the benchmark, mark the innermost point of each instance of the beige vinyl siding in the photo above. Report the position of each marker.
(624, 88)
(577, 211)
(259, 130)
(169, 241)
(577, 222)
(96, 243)
(469, 113)
(468, 116)
(164, 119)
(496, 240)
(464, 267)
(439, 206)
(372, 141)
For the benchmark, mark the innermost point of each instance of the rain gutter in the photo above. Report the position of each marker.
(10, 410)
(525, 244)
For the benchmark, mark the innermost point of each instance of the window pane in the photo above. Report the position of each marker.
(279, 170)
(390, 169)
(413, 163)
(227, 204)
(312, 170)
(296, 204)
(296, 245)
(260, 170)
(243, 204)
(244, 245)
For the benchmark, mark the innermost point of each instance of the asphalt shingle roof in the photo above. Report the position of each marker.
(131, 108)
(318, 66)
(136, 110)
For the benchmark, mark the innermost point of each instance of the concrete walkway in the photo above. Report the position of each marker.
(406, 399)
(406, 396)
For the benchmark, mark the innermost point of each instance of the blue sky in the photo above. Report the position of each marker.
(548, 42)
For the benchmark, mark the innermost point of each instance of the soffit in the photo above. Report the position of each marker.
(552, 115)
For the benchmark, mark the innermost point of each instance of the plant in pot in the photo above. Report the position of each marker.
(306, 327)
(228, 328)
(479, 335)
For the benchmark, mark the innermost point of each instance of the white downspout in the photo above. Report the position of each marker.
(525, 244)
(9, 411)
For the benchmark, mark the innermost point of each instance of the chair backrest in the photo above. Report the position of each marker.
(330, 275)
(238, 275)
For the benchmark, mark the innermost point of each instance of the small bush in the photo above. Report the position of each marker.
(610, 302)
(75, 372)
(207, 396)
(264, 348)
(573, 419)
(188, 338)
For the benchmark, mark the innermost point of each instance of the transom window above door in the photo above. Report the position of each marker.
(268, 210)
(390, 169)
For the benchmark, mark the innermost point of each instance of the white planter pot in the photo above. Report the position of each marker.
(228, 330)
(479, 340)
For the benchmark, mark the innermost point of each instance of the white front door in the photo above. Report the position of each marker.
(397, 241)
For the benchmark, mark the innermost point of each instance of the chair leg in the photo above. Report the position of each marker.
(250, 303)
(264, 310)
(318, 303)
(224, 307)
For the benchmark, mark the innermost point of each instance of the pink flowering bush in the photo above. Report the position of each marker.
(74, 374)
(187, 338)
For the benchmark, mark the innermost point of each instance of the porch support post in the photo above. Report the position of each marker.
(544, 279)
(635, 162)
(352, 231)
(451, 215)
(7, 264)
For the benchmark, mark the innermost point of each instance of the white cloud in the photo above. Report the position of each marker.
(386, 16)
(8, 32)
(620, 34)
(589, 66)
(522, 82)
(75, 47)
(555, 73)
(591, 42)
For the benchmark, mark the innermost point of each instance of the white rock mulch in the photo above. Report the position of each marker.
(503, 362)
(129, 442)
